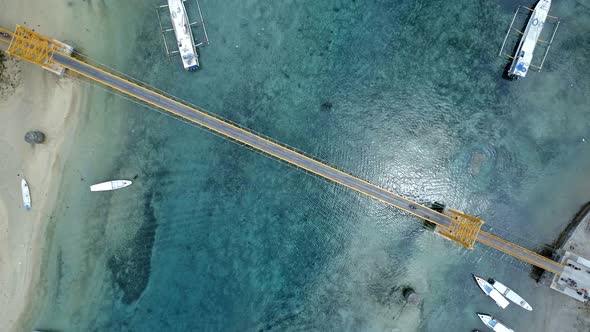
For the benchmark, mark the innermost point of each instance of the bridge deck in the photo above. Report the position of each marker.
(295, 158)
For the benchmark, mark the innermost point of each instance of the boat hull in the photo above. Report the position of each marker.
(528, 42)
(110, 185)
(183, 34)
(26, 193)
(490, 291)
(494, 323)
(510, 294)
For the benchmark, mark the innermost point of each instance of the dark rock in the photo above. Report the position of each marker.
(411, 297)
(34, 137)
(326, 106)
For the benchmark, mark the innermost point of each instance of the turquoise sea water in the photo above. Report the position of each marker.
(406, 94)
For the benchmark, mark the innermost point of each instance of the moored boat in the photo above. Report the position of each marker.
(490, 291)
(24, 186)
(528, 42)
(494, 323)
(110, 185)
(510, 294)
(184, 35)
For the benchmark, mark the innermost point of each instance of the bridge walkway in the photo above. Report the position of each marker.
(288, 155)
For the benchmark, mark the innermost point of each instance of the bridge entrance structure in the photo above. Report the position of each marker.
(28, 45)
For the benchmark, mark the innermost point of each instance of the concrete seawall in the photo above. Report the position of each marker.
(572, 227)
(575, 237)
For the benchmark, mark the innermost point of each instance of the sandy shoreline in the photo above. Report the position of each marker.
(36, 99)
(33, 99)
(40, 101)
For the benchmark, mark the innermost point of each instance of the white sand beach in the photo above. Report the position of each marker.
(40, 102)
(30, 99)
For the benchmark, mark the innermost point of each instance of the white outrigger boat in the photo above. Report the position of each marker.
(182, 27)
(493, 323)
(110, 185)
(490, 291)
(510, 294)
(530, 36)
(184, 35)
(24, 186)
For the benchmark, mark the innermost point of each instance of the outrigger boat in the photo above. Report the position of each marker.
(184, 35)
(510, 294)
(182, 27)
(490, 291)
(494, 323)
(528, 42)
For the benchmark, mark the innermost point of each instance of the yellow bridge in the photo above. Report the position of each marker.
(462, 228)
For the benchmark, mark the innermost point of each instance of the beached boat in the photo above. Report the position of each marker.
(184, 35)
(528, 41)
(493, 323)
(490, 291)
(510, 294)
(24, 186)
(110, 185)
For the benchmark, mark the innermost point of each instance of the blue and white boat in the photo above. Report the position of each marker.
(490, 291)
(494, 323)
(528, 41)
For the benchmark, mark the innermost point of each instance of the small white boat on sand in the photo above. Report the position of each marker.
(510, 294)
(490, 291)
(494, 324)
(24, 186)
(110, 185)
